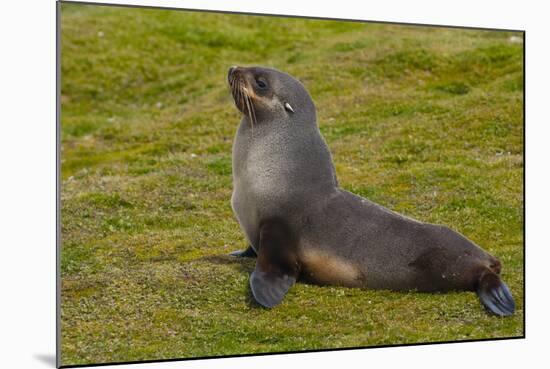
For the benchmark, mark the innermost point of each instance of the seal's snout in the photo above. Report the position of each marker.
(230, 73)
(234, 78)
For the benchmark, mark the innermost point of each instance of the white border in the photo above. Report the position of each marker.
(27, 185)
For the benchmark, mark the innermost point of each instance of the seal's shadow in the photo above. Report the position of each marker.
(241, 265)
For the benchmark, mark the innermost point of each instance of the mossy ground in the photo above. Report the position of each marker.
(426, 121)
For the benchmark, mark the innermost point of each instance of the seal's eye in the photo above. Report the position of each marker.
(261, 83)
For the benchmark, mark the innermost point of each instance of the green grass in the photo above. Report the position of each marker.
(426, 121)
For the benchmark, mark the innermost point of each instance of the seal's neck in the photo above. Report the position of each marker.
(301, 117)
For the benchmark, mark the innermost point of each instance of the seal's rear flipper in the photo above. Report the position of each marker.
(276, 269)
(248, 253)
(495, 295)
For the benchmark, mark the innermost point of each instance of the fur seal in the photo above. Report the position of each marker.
(302, 226)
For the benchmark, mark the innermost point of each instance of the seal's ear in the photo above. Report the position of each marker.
(288, 107)
(276, 269)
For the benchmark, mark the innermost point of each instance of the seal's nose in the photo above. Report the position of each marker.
(230, 72)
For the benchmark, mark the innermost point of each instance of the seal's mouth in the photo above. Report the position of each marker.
(242, 94)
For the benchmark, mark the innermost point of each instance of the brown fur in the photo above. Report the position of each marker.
(321, 267)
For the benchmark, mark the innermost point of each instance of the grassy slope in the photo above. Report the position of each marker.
(426, 121)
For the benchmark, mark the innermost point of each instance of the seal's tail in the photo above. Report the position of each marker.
(495, 295)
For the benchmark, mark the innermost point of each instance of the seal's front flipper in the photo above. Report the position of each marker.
(270, 289)
(248, 253)
(277, 268)
(495, 295)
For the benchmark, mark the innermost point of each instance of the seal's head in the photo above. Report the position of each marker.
(265, 95)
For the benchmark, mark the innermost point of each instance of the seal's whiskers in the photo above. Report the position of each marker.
(251, 111)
